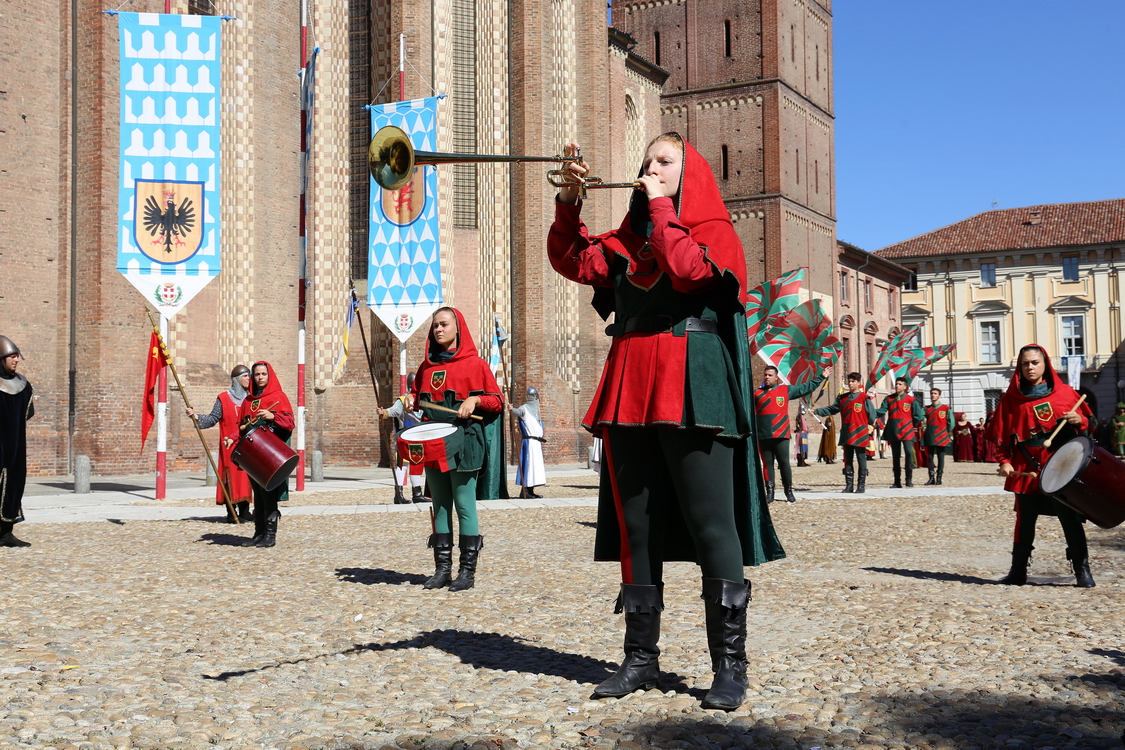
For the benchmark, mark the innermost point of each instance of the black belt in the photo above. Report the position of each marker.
(660, 324)
(534, 437)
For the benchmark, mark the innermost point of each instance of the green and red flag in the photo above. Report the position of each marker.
(767, 303)
(800, 343)
(890, 350)
(911, 361)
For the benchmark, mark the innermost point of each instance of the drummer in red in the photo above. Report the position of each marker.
(268, 406)
(1027, 415)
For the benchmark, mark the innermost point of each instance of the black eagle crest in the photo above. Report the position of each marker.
(170, 223)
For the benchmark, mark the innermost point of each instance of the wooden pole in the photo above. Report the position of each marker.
(194, 419)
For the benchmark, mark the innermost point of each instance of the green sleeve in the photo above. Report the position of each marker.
(919, 412)
(825, 411)
(800, 391)
(882, 409)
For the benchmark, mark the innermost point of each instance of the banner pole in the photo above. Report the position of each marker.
(302, 245)
(162, 420)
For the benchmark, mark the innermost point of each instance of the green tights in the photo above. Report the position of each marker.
(454, 489)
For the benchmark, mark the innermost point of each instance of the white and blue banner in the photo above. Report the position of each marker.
(168, 195)
(404, 269)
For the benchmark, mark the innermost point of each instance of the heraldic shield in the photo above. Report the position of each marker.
(404, 205)
(168, 219)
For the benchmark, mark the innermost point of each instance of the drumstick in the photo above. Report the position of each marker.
(1031, 474)
(437, 407)
(1047, 442)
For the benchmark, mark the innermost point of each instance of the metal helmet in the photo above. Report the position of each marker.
(8, 348)
(532, 393)
(410, 379)
(239, 371)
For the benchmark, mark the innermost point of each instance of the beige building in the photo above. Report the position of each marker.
(1046, 274)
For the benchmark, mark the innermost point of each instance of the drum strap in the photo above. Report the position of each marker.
(1027, 454)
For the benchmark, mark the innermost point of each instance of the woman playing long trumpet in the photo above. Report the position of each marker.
(681, 479)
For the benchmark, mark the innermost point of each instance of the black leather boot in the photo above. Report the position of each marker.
(861, 483)
(400, 499)
(939, 472)
(909, 477)
(244, 513)
(932, 479)
(849, 475)
(259, 532)
(417, 496)
(1080, 562)
(725, 604)
(898, 480)
(639, 669)
(788, 489)
(1021, 556)
(7, 538)
(442, 545)
(769, 491)
(467, 565)
(270, 537)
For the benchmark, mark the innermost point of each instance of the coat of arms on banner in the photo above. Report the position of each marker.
(404, 205)
(168, 219)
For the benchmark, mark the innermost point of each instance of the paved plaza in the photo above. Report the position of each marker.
(134, 622)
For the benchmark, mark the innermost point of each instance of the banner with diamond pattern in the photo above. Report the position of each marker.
(404, 269)
(168, 190)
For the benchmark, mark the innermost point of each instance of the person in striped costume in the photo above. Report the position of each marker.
(857, 419)
(902, 411)
(771, 406)
(937, 436)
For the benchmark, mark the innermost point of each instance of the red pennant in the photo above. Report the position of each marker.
(153, 365)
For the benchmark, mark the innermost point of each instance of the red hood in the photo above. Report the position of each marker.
(1048, 375)
(272, 396)
(465, 346)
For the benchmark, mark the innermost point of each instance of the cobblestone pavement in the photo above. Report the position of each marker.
(884, 628)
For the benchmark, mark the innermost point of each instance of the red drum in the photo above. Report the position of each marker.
(1088, 479)
(265, 457)
(432, 444)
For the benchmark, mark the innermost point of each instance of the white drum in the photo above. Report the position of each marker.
(431, 444)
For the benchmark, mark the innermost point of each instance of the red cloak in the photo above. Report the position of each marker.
(643, 381)
(1021, 418)
(272, 398)
(464, 374)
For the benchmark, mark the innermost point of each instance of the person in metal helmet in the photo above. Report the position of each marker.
(531, 472)
(16, 408)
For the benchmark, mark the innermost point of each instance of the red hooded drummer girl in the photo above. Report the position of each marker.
(267, 403)
(681, 479)
(453, 375)
(1028, 412)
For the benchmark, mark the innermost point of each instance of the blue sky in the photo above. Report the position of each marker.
(944, 107)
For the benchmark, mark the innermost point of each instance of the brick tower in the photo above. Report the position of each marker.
(751, 89)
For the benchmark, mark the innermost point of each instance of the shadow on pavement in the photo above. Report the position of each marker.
(591, 524)
(933, 575)
(226, 540)
(488, 651)
(371, 576)
(101, 486)
(1116, 655)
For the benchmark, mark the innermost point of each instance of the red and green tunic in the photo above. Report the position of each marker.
(857, 414)
(664, 266)
(902, 412)
(937, 433)
(771, 407)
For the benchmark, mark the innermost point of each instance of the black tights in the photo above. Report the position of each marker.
(265, 504)
(777, 449)
(655, 467)
(860, 456)
(897, 447)
(1071, 522)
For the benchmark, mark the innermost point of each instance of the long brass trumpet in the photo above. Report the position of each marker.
(391, 158)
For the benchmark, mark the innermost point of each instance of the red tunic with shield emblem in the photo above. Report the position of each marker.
(857, 414)
(937, 426)
(899, 408)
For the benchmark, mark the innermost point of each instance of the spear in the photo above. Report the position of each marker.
(194, 419)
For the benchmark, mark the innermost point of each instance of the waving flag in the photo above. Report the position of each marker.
(349, 319)
(893, 348)
(911, 361)
(767, 303)
(800, 343)
(499, 336)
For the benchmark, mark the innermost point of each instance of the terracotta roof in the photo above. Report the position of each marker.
(1031, 227)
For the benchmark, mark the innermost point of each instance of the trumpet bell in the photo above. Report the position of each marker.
(390, 157)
